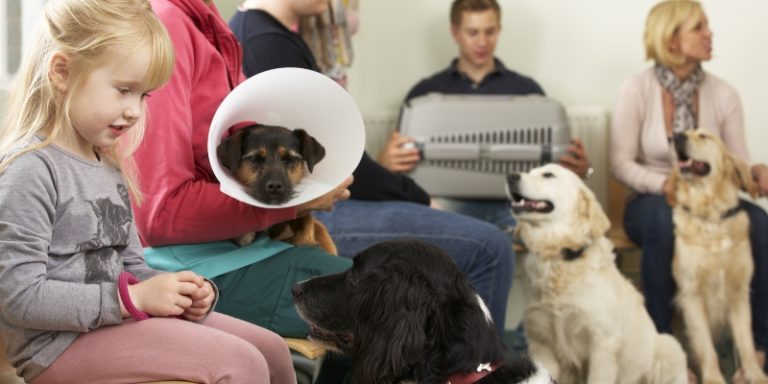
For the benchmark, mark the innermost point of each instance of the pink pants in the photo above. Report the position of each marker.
(221, 349)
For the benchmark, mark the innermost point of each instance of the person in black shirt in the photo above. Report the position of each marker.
(383, 205)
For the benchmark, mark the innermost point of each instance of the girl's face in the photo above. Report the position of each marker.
(109, 102)
(693, 40)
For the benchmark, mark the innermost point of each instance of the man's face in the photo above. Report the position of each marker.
(476, 36)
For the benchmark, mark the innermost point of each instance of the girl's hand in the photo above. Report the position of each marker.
(164, 295)
(400, 154)
(202, 299)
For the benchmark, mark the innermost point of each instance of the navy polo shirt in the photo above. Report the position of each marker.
(501, 81)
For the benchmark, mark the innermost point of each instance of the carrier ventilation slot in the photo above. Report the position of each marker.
(534, 135)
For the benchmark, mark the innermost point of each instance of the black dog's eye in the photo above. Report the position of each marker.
(548, 175)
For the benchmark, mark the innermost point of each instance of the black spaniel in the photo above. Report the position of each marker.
(404, 312)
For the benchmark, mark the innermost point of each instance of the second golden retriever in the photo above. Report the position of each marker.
(712, 264)
(585, 322)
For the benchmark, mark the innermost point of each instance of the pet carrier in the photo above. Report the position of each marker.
(469, 143)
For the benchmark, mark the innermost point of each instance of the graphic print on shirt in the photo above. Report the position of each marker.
(112, 224)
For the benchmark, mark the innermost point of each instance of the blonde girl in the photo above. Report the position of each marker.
(77, 301)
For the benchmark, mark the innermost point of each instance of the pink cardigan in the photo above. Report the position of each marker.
(182, 200)
(639, 150)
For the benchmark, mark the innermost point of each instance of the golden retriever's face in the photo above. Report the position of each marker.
(552, 195)
(702, 157)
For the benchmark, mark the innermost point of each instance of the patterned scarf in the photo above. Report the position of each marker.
(682, 93)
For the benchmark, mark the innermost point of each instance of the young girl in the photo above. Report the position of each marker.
(77, 301)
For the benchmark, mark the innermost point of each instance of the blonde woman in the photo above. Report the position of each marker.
(677, 94)
(77, 301)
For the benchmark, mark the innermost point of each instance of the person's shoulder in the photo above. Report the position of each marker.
(429, 84)
(29, 164)
(718, 84)
(256, 23)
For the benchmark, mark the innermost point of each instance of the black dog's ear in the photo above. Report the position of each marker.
(311, 150)
(230, 150)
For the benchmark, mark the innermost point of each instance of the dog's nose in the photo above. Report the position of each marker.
(679, 141)
(274, 187)
(297, 291)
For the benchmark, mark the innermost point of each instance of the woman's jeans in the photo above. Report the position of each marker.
(648, 222)
(479, 249)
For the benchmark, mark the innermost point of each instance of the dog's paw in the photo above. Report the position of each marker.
(245, 239)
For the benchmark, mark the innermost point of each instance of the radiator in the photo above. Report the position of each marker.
(590, 124)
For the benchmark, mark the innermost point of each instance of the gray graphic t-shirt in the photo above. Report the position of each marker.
(66, 233)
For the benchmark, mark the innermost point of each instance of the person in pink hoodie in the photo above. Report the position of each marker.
(186, 222)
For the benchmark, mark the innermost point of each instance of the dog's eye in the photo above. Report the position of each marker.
(702, 136)
(548, 175)
(253, 158)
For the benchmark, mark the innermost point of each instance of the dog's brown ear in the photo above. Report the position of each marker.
(230, 150)
(590, 213)
(311, 150)
(740, 173)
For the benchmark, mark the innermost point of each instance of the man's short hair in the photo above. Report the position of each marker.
(460, 6)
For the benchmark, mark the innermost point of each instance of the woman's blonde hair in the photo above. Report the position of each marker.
(663, 22)
(90, 33)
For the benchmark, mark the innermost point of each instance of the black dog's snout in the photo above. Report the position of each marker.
(680, 139)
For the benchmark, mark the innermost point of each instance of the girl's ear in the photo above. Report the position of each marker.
(59, 71)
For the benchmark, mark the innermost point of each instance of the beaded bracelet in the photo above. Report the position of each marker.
(123, 281)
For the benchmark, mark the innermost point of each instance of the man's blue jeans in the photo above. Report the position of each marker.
(479, 249)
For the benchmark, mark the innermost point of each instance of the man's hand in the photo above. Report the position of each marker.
(576, 158)
(397, 156)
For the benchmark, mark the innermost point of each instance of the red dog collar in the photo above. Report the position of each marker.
(481, 371)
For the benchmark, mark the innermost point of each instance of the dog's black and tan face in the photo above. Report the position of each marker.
(403, 311)
(270, 160)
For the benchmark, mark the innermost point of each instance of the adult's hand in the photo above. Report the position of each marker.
(576, 158)
(760, 174)
(325, 202)
(400, 154)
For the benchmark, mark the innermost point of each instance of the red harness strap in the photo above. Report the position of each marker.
(481, 371)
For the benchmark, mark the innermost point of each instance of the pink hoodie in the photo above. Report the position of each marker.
(182, 201)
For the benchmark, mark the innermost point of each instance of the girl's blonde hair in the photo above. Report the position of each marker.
(663, 22)
(90, 33)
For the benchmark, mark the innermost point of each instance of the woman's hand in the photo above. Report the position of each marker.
(164, 295)
(400, 154)
(760, 174)
(325, 202)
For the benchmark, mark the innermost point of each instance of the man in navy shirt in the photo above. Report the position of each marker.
(475, 26)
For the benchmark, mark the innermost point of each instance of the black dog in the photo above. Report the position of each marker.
(270, 161)
(405, 312)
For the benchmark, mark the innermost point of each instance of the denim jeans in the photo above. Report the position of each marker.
(479, 249)
(648, 222)
(495, 211)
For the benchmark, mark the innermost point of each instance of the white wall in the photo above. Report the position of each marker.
(579, 51)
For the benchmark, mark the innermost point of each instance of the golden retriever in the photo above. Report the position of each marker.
(712, 264)
(585, 321)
